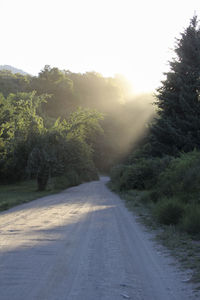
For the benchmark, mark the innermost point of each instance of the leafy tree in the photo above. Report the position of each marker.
(177, 127)
(20, 126)
(94, 91)
(28, 121)
(59, 86)
(84, 123)
(13, 83)
(64, 150)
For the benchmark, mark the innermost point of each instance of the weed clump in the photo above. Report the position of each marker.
(169, 211)
(141, 174)
(191, 220)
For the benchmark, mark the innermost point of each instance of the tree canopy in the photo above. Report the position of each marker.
(177, 127)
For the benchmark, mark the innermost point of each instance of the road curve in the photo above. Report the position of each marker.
(83, 244)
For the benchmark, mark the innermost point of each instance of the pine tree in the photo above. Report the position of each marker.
(177, 127)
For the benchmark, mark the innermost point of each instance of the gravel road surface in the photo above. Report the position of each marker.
(83, 244)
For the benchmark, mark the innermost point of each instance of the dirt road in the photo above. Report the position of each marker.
(83, 244)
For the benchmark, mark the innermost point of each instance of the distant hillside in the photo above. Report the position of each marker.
(12, 69)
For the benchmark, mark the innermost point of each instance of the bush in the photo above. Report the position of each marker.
(67, 180)
(169, 211)
(131, 178)
(73, 178)
(143, 174)
(115, 176)
(191, 220)
(127, 177)
(182, 177)
(60, 182)
(150, 196)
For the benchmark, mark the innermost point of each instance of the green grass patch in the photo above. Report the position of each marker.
(26, 191)
(22, 192)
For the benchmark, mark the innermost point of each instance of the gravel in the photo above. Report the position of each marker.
(83, 244)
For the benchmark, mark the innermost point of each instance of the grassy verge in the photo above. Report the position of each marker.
(185, 248)
(22, 192)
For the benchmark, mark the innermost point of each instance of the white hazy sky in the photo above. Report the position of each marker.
(130, 37)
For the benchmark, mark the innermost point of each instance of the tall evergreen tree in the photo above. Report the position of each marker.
(177, 127)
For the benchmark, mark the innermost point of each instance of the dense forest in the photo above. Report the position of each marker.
(64, 125)
(166, 164)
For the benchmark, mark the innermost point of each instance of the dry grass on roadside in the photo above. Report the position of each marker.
(185, 248)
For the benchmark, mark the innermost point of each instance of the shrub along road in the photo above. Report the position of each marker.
(83, 244)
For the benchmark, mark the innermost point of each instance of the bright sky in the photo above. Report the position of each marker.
(130, 37)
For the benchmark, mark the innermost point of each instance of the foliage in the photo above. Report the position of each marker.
(20, 125)
(174, 189)
(166, 163)
(150, 196)
(71, 178)
(142, 174)
(13, 83)
(182, 177)
(27, 147)
(60, 153)
(84, 123)
(56, 83)
(169, 211)
(124, 120)
(177, 126)
(191, 220)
